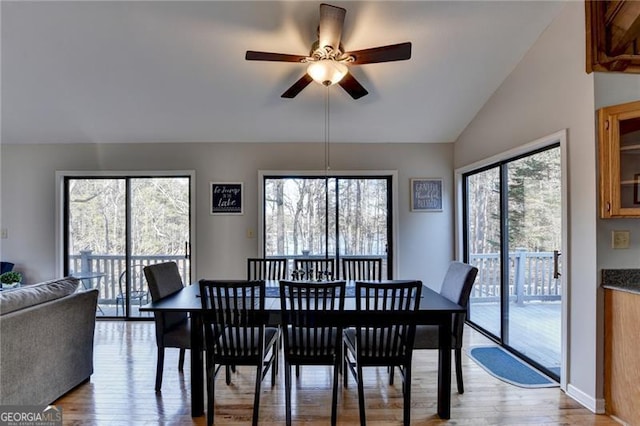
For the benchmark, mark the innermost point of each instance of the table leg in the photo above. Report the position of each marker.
(197, 382)
(444, 368)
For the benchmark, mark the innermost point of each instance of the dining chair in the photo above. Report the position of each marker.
(316, 269)
(267, 269)
(173, 329)
(235, 333)
(274, 268)
(310, 335)
(361, 269)
(385, 337)
(138, 291)
(456, 287)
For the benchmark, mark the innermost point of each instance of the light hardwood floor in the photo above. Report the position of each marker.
(121, 392)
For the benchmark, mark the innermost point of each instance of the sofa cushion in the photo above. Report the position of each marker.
(36, 294)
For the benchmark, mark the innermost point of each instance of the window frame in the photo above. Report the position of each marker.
(391, 174)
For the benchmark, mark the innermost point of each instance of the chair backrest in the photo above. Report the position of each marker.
(136, 276)
(6, 267)
(390, 309)
(266, 269)
(309, 331)
(233, 317)
(458, 282)
(164, 280)
(316, 269)
(354, 269)
(456, 287)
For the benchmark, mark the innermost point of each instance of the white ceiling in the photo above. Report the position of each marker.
(159, 71)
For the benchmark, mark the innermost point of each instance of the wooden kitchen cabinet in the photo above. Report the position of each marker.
(619, 157)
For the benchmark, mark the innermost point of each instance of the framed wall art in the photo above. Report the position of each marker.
(426, 194)
(226, 198)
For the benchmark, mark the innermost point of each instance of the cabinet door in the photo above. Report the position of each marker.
(619, 135)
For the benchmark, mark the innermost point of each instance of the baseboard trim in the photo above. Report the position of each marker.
(594, 405)
(619, 420)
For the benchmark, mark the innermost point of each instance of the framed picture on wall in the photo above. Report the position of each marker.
(226, 198)
(426, 194)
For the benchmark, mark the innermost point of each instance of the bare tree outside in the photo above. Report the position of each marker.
(334, 217)
(98, 235)
(516, 206)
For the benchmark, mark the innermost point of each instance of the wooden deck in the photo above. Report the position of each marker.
(121, 392)
(534, 328)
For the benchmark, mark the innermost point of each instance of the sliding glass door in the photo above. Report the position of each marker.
(513, 235)
(334, 217)
(116, 225)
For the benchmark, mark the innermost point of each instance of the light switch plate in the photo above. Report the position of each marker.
(620, 239)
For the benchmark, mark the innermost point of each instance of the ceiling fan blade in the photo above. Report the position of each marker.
(352, 86)
(331, 23)
(268, 56)
(393, 52)
(297, 87)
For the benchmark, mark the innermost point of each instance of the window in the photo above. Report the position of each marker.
(513, 235)
(328, 217)
(115, 224)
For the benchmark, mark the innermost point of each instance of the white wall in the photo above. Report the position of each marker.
(548, 91)
(28, 196)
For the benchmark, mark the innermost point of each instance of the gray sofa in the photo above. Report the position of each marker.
(46, 341)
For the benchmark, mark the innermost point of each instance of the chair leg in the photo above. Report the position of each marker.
(297, 371)
(363, 419)
(459, 370)
(287, 391)
(391, 374)
(274, 364)
(345, 365)
(407, 395)
(227, 374)
(210, 377)
(256, 398)
(334, 397)
(159, 368)
(181, 360)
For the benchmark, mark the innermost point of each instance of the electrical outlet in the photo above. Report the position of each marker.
(251, 233)
(4, 234)
(620, 239)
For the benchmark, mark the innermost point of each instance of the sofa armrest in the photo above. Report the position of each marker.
(46, 350)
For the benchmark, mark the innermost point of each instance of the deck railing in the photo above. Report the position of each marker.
(530, 277)
(111, 267)
(530, 274)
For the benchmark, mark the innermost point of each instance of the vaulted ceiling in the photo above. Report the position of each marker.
(162, 71)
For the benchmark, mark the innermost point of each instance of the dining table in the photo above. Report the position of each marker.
(434, 309)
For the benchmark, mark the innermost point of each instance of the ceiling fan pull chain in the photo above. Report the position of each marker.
(327, 128)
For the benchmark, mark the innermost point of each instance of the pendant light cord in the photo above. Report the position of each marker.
(327, 127)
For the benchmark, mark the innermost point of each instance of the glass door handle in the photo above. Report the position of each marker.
(556, 266)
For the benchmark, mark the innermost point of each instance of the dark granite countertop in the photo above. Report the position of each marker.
(621, 279)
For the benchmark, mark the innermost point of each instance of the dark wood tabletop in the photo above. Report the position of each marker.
(188, 300)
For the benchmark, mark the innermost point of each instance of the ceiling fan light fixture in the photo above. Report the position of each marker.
(327, 71)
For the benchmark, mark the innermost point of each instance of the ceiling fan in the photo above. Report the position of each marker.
(328, 61)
